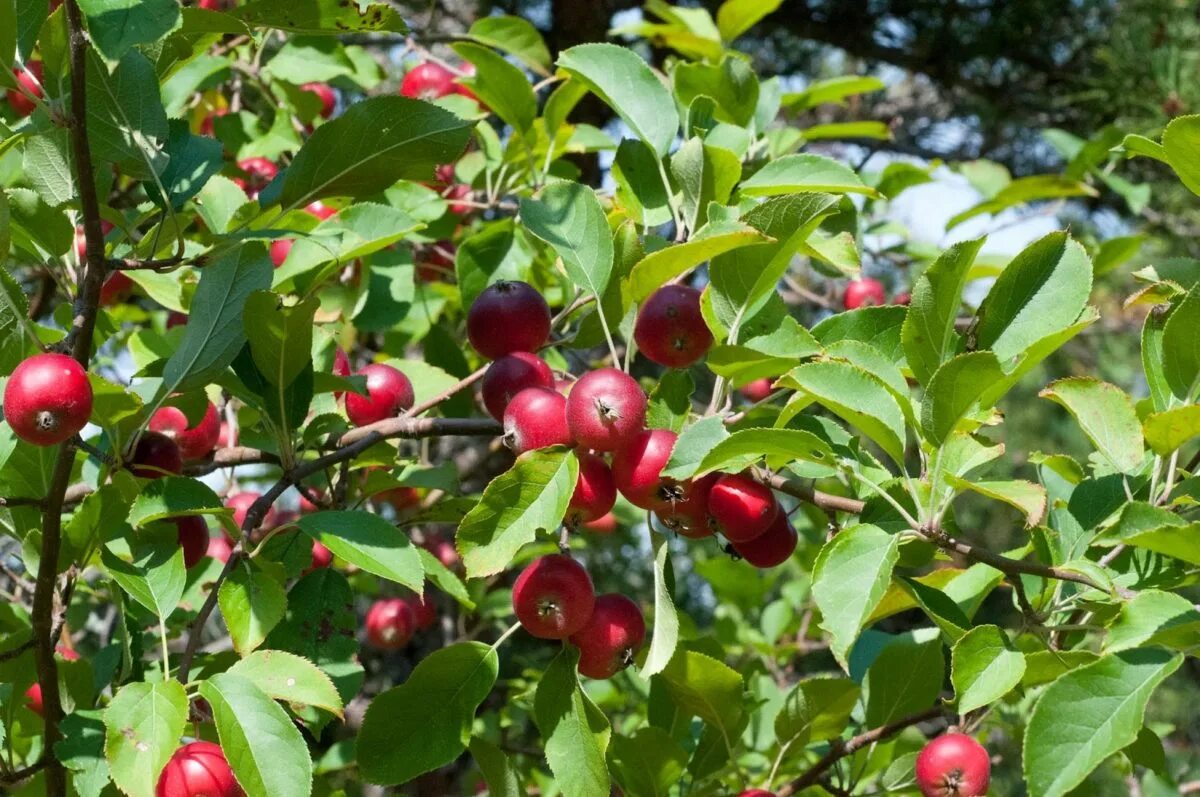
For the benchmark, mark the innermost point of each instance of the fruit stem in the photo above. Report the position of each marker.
(512, 629)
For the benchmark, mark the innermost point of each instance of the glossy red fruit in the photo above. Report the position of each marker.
(225, 439)
(240, 503)
(443, 174)
(637, 470)
(863, 292)
(670, 329)
(773, 547)
(31, 78)
(213, 5)
(341, 362)
(390, 624)
(741, 507)
(155, 456)
(321, 557)
(757, 793)
(47, 399)
(325, 95)
(196, 442)
(595, 491)
(259, 172)
(536, 418)
(688, 515)
(34, 693)
(280, 248)
(605, 524)
(508, 376)
(455, 195)
(902, 298)
(758, 390)
(193, 538)
(953, 765)
(427, 81)
(320, 210)
(219, 549)
(116, 289)
(553, 597)
(611, 637)
(508, 316)
(606, 410)
(389, 392)
(424, 611)
(308, 507)
(402, 498)
(198, 769)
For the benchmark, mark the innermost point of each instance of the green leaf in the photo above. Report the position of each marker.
(693, 443)
(372, 145)
(321, 16)
(1178, 539)
(664, 638)
(1026, 497)
(1040, 292)
(817, 709)
(515, 36)
(855, 396)
(16, 336)
(503, 779)
(956, 387)
(575, 732)
(1181, 145)
(805, 173)
(252, 603)
(445, 579)
(704, 174)
(731, 84)
(850, 576)
(1167, 431)
(369, 542)
(81, 751)
(115, 26)
(47, 163)
(714, 239)
(880, 131)
(1023, 191)
(290, 678)
(425, 723)
(984, 668)
(192, 162)
(1107, 417)
(143, 724)
(173, 496)
(832, 90)
(126, 120)
(501, 86)
(280, 335)
(781, 447)
(928, 333)
(620, 78)
(762, 356)
(1181, 346)
(1087, 715)
(708, 689)
(904, 678)
(1154, 617)
(569, 217)
(355, 232)
(531, 495)
(214, 333)
(735, 17)
(671, 401)
(648, 763)
(262, 744)
(155, 578)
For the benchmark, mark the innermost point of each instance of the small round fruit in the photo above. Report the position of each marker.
(240, 503)
(508, 316)
(670, 329)
(757, 793)
(742, 508)
(390, 624)
(193, 538)
(536, 418)
(194, 443)
(427, 81)
(606, 410)
(307, 507)
(325, 94)
(198, 769)
(773, 547)
(48, 399)
(259, 172)
(688, 516)
(116, 289)
(953, 765)
(595, 492)
(389, 392)
(637, 470)
(605, 524)
(863, 292)
(756, 391)
(443, 550)
(219, 549)
(508, 376)
(320, 210)
(553, 597)
(280, 248)
(459, 197)
(341, 362)
(611, 637)
(29, 77)
(155, 456)
(321, 557)
(902, 299)
(424, 611)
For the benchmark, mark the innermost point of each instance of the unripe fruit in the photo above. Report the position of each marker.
(508, 376)
(688, 516)
(606, 409)
(219, 549)
(155, 456)
(240, 503)
(115, 289)
(772, 547)
(321, 557)
(595, 492)
(553, 597)
(670, 329)
(48, 399)
(756, 391)
(508, 316)
(611, 637)
(390, 624)
(953, 765)
(194, 443)
(863, 292)
(605, 524)
(427, 81)
(637, 470)
(193, 538)
(198, 769)
(389, 392)
(31, 78)
(280, 248)
(325, 95)
(535, 418)
(34, 693)
(742, 508)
